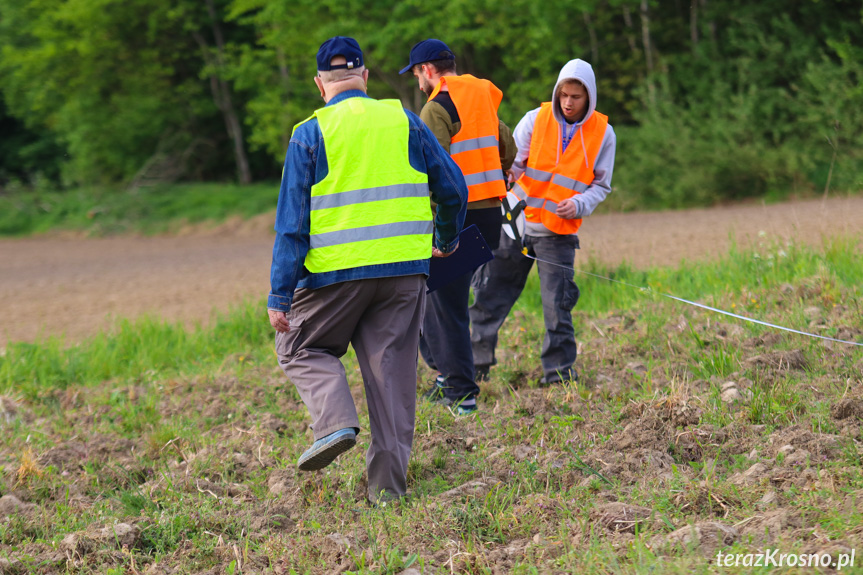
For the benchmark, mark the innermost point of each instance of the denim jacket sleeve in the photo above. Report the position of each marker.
(292, 218)
(306, 164)
(446, 183)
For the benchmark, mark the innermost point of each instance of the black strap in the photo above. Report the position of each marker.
(510, 216)
(352, 65)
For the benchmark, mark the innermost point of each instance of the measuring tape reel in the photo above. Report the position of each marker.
(512, 209)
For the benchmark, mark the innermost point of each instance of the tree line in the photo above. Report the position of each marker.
(711, 99)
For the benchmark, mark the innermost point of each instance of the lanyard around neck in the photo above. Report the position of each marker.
(568, 135)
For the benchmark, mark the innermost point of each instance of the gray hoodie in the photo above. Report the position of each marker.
(600, 187)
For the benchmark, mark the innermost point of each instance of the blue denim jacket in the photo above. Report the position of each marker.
(306, 165)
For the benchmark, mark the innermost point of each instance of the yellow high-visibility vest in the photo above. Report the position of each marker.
(373, 206)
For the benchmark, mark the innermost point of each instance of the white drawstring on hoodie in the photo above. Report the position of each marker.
(586, 161)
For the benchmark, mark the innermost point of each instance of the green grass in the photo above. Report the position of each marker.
(140, 351)
(188, 435)
(102, 211)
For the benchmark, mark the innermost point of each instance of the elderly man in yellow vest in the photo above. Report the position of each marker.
(462, 113)
(563, 169)
(354, 235)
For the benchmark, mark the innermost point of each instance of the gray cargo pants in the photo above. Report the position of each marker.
(498, 284)
(381, 319)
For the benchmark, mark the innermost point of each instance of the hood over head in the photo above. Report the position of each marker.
(583, 72)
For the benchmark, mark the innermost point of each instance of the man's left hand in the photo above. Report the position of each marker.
(279, 320)
(436, 253)
(567, 210)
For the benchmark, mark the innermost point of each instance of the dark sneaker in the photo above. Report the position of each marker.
(325, 450)
(435, 393)
(481, 373)
(556, 379)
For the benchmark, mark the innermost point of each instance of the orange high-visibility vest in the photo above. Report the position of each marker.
(552, 176)
(475, 147)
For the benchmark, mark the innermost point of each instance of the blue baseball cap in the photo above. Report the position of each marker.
(428, 51)
(339, 46)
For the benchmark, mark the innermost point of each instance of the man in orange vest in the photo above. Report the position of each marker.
(562, 171)
(462, 114)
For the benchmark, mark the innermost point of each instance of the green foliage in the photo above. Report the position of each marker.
(97, 76)
(26, 154)
(711, 101)
(773, 110)
(122, 85)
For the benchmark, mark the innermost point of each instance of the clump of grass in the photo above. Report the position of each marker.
(28, 467)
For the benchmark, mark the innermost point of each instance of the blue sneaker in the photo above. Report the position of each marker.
(326, 449)
(465, 409)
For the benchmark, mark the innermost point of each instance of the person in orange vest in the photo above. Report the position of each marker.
(462, 114)
(562, 171)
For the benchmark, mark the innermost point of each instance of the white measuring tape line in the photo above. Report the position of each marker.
(702, 306)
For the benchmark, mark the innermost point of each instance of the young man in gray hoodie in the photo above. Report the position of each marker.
(563, 171)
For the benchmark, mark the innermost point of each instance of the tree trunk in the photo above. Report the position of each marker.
(630, 38)
(594, 47)
(693, 26)
(711, 24)
(645, 36)
(222, 96)
(648, 52)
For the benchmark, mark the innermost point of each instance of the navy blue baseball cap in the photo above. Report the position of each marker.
(339, 46)
(428, 51)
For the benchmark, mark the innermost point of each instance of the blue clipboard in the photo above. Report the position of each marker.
(472, 252)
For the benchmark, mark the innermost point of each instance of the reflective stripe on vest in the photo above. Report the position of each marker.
(532, 202)
(475, 147)
(559, 179)
(379, 232)
(473, 144)
(552, 176)
(373, 206)
(370, 195)
(538, 175)
(483, 177)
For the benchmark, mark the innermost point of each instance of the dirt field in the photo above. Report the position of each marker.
(684, 437)
(75, 286)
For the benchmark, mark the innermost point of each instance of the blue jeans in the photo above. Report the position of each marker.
(498, 284)
(445, 342)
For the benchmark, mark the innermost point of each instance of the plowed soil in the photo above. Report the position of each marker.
(75, 286)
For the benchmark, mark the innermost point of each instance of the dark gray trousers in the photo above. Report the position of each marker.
(381, 319)
(445, 342)
(498, 284)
